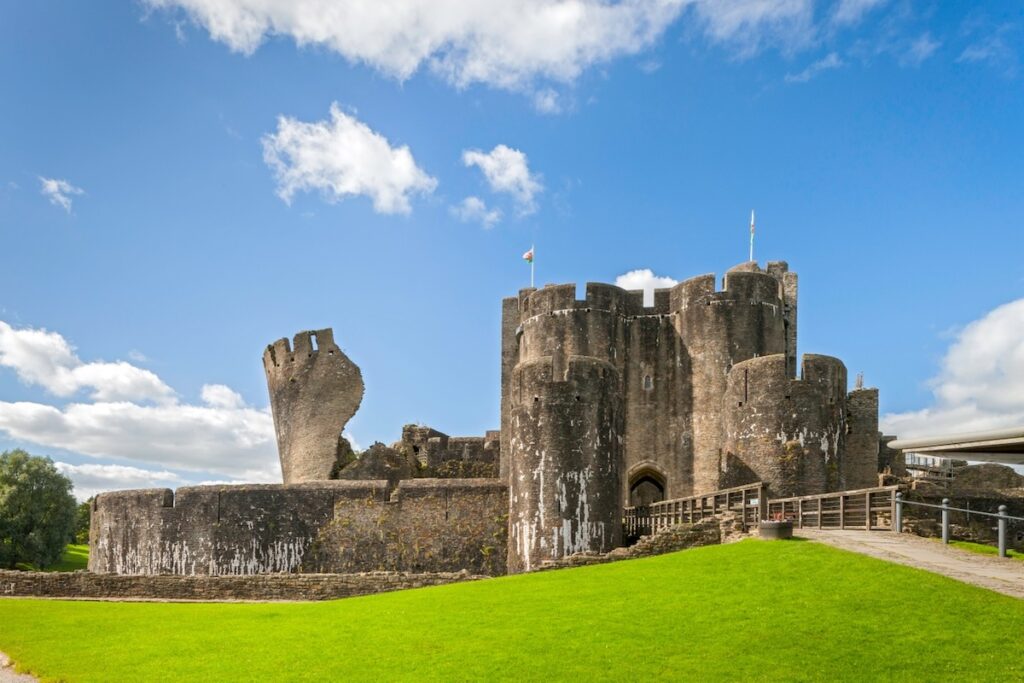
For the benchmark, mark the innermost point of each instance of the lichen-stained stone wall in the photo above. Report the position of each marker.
(423, 525)
(788, 433)
(860, 461)
(314, 391)
(564, 465)
(719, 329)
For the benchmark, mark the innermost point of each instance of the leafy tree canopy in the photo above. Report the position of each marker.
(37, 510)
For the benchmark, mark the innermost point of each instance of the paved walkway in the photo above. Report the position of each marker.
(9, 675)
(1004, 575)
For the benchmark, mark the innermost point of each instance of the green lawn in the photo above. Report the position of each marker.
(747, 611)
(75, 557)
(983, 549)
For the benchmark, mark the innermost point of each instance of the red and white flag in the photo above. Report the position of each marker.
(528, 256)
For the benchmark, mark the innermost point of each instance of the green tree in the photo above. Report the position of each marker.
(83, 512)
(37, 510)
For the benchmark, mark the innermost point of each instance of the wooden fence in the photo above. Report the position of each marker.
(873, 508)
(746, 501)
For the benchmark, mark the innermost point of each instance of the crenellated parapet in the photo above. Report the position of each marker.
(794, 434)
(314, 391)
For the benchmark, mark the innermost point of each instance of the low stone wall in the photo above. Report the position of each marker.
(422, 525)
(710, 531)
(262, 587)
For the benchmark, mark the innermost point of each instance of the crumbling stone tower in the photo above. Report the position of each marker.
(314, 391)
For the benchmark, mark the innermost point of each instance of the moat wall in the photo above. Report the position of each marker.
(427, 525)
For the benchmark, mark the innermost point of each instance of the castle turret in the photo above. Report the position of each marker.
(314, 391)
(788, 433)
(719, 329)
(566, 424)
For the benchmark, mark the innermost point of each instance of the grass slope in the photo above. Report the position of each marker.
(983, 549)
(75, 557)
(747, 611)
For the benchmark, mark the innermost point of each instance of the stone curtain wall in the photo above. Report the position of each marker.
(86, 585)
(426, 525)
(330, 526)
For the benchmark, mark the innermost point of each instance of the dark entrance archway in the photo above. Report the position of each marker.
(646, 487)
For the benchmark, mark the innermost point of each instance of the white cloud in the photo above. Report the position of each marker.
(749, 25)
(46, 359)
(923, 47)
(507, 170)
(547, 101)
(474, 210)
(852, 11)
(134, 414)
(343, 157)
(992, 49)
(220, 396)
(981, 382)
(511, 44)
(830, 61)
(646, 280)
(59, 192)
(238, 442)
(505, 44)
(90, 479)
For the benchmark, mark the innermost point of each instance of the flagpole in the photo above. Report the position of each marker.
(531, 264)
(751, 235)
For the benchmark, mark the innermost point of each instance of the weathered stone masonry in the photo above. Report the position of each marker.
(605, 402)
(330, 526)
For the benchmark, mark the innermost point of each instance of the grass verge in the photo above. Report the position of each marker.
(747, 611)
(75, 557)
(983, 549)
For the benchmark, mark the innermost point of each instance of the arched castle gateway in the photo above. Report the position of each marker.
(604, 403)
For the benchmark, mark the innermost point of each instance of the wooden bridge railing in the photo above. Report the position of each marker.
(747, 501)
(873, 508)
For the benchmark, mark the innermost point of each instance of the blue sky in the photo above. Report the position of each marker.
(175, 194)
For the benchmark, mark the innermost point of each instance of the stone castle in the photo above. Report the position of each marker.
(605, 403)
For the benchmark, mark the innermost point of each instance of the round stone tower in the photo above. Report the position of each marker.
(564, 488)
(719, 329)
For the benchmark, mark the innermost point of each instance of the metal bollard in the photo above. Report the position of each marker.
(897, 520)
(1002, 531)
(945, 520)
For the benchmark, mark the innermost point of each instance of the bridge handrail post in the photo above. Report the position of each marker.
(945, 521)
(897, 518)
(1002, 531)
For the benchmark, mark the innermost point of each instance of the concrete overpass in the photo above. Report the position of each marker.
(1004, 446)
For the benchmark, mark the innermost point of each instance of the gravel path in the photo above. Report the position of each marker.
(1003, 575)
(9, 675)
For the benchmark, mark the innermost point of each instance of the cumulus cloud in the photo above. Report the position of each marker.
(474, 210)
(830, 61)
(646, 280)
(505, 44)
(981, 381)
(59, 192)
(511, 44)
(133, 415)
(852, 11)
(343, 157)
(90, 479)
(46, 359)
(507, 170)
